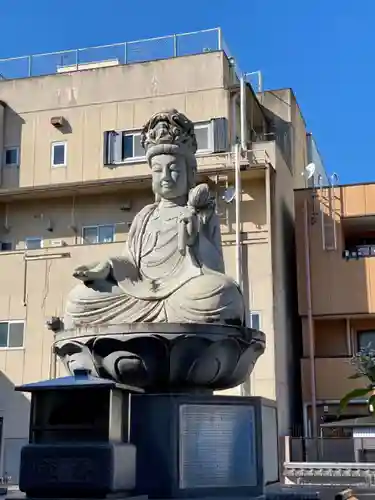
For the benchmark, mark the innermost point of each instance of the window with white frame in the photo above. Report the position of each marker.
(131, 146)
(254, 320)
(12, 156)
(122, 147)
(203, 134)
(33, 243)
(98, 234)
(59, 154)
(125, 146)
(11, 334)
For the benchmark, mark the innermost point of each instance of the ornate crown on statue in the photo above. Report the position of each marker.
(168, 132)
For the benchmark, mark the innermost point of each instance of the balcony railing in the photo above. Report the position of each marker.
(150, 49)
(359, 252)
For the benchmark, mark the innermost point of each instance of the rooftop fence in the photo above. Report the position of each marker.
(151, 49)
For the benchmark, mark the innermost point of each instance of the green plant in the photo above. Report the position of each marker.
(364, 363)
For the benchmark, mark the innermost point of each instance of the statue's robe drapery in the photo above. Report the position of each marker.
(154, 282)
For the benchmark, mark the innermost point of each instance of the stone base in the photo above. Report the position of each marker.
(77, 470)
(191, 446)
(178, 446)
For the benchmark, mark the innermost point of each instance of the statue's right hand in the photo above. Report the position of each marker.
(92, 272)
(80, 274)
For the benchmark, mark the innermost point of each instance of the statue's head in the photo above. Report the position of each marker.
(170, 144)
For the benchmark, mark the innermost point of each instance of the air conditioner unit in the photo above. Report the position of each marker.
(57, 243)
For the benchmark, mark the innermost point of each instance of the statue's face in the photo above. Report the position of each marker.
(169, 176)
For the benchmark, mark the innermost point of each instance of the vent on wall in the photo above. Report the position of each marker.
(58, 121)
(126, 205)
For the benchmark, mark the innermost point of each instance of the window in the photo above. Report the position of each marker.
(11, 157)
(125, 146)
(254, 320)
(203, 136)
(131, 146)
(11, 334)
(6, 246)
(366, 338)
(58, 154)
(120, 147)
(212, 136)
(98, 234)
(33, 243)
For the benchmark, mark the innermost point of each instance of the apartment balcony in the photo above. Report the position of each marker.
(341, 250)
(358, 201)
(344, 287)
(332, 378)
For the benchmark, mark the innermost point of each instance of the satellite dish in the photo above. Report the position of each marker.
(309, 170)
(229, 194)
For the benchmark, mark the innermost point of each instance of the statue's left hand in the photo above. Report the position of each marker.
(189, 226)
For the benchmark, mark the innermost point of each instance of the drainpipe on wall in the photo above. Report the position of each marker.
(24, 292)
(348, 336)
(238, 148)
(2, 139)
(243, 114)
(237, 200)
(310, 323)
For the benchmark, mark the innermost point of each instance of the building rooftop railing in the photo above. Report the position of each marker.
(150, 49)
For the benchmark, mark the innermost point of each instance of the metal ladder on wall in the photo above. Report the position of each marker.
(221, 184)
(328, 213)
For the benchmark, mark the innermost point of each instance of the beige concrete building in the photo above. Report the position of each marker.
(69, 189)
(336, 290)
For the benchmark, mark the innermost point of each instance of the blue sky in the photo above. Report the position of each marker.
(323, 49)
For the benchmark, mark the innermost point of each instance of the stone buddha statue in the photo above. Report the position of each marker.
(172, 268)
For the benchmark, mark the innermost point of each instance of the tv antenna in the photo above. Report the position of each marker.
(309, 170)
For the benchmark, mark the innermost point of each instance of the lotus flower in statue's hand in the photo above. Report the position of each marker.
(200, 207)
